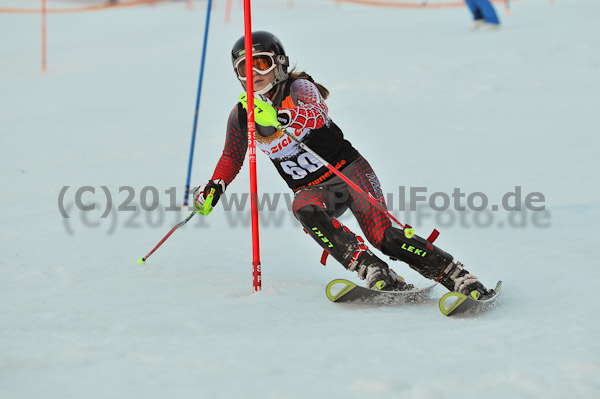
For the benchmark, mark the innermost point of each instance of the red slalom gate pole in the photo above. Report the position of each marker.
(256, 274)
(43, 36)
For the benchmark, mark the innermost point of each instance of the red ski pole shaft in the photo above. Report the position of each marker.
(142, 261)
(339, 174)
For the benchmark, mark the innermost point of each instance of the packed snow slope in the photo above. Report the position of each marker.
(432, 105)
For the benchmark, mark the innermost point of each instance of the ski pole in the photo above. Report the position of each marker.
(205, 210)
(339, 174)
(142, 261)
(409, 232)
(270, 119)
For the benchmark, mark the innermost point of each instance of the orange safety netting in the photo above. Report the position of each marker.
(98, 7)
(132, 3)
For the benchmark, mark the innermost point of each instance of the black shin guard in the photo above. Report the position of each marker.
(421, 255)
(343, 245)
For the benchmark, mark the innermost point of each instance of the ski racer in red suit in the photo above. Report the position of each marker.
(319, 195)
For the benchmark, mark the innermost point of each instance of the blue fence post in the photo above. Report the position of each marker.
(189, 172)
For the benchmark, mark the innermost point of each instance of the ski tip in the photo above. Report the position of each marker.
(347, 286)
(141, 261)
(496, 290)
(451, 301)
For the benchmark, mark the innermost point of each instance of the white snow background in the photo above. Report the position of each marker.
(427, 101)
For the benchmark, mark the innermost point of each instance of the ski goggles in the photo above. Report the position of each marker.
(262, 62)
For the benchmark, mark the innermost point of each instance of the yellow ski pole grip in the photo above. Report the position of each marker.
(207, 206)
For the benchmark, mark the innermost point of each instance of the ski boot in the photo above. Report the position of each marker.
(385, 279)
(456, 278)
(376, 272)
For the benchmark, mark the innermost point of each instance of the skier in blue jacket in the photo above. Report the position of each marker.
(484, 14)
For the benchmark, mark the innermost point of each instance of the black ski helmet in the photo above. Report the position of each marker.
(263, 41)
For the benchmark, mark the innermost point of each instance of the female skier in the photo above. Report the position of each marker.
(319, 195)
